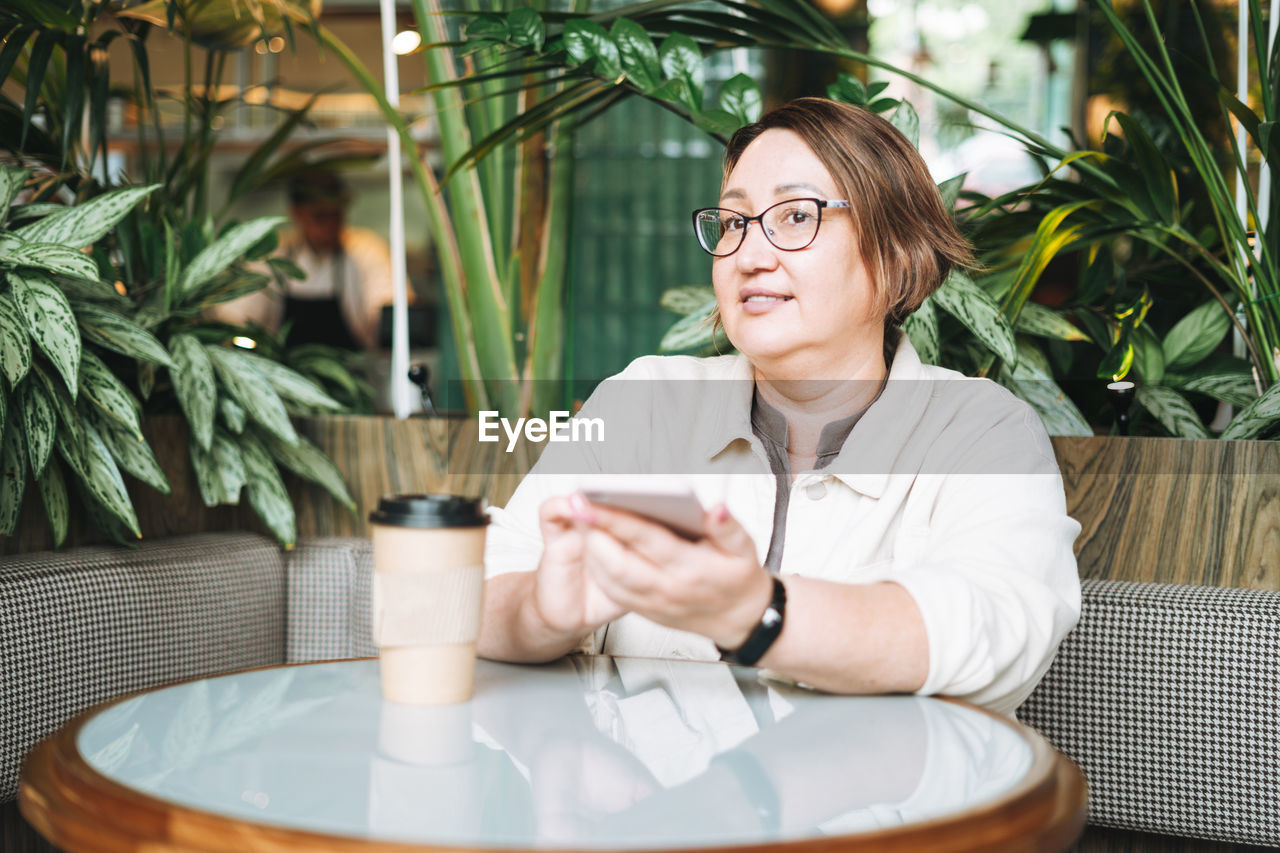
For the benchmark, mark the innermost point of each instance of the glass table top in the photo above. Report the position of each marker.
(589, 752)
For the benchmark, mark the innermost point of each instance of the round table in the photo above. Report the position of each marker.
(589, 753)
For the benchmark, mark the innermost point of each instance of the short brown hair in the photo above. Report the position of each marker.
(906, 236)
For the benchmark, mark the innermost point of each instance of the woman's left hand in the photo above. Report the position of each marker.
(714, 586)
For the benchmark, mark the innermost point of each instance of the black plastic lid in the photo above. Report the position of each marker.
(429, 511)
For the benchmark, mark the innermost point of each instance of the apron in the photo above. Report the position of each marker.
(319, 320)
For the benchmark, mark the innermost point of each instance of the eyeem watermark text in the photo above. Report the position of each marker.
(561, 427)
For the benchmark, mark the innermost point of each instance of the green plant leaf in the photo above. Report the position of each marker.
(637, 54)
(681, 60)
(49, 257)
(230, 466)
(675, 91)
(741, 96)
(848, 89)
(134, 455)
(266, 491)
(1234, 388)
(13, 473)
(921, 328)
(526, 28)
(905, 119)
(224, 251)
(309, 462)
(112, 397)
(488, 27)
(53, 494)
(950, 190)
(194, 386)
(1116, 363)
(687, 333)
(91, 291)
(104, 481)
(689, 298)
(39, 422)
(979, 313)
(586, 40)
(249, 387)
(208, 475)
(1157, 175)
(292, 386)
(233, 415)
(50, 323)
(716, 122)
(11, 181)
(1057, 412)
(62, 404)
(1148, 356)
(1195, 336)
(85, 224)
(1036, 319)
(119, 334)
(1257, 417)
(1172, 410)
(15, 346)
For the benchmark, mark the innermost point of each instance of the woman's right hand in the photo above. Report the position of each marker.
(565, 596)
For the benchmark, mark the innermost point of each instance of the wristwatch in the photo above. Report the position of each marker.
(763, 634)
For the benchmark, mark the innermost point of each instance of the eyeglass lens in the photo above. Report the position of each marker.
(789, 225)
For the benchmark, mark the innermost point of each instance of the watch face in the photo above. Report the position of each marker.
(770, 618)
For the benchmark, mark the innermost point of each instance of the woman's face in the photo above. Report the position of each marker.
(803, 314)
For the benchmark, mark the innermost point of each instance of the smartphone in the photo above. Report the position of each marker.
(675, 507)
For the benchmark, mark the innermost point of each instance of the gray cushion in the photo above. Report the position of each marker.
(1168, 697)
(86, 625)
(330, 600)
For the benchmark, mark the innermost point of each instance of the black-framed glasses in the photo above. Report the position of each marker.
(790, 225)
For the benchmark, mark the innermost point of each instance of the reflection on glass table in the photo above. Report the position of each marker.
(588, 753)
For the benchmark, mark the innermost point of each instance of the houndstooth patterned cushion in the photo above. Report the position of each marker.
(330, 600)
(89, 624)
(1168, 697)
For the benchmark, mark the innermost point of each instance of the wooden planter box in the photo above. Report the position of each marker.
(1152, 509)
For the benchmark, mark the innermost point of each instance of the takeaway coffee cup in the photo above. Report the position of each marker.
(428, 579)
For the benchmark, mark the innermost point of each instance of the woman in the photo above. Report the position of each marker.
(874, 524)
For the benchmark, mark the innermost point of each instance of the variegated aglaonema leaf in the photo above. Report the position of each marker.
(971, 305)
(233, 414)
(690, 332)
(225, 251)
(1172, 410)
(105, 390)
(249, 387)
(921, 329)
(194, 385)
(53, 494)
(50, 323)
(39, 421)
(84, 224)
(120, 334)
(1234, 388)
(135, 456)
(309, 462)
(292, 386)
(104, 481)
(230, 467)
(11, 181)
(13, 472)
(689, 299)
(15, 346)
(62, 403)
(266, 491)
(1257, 417)
(1035, 319)
(48, 257)
(207, 477)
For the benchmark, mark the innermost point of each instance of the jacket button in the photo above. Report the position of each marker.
(816, 491)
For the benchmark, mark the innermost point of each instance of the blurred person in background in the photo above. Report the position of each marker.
(348, 272)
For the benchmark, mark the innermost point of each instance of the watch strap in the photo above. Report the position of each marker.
(765, 632)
